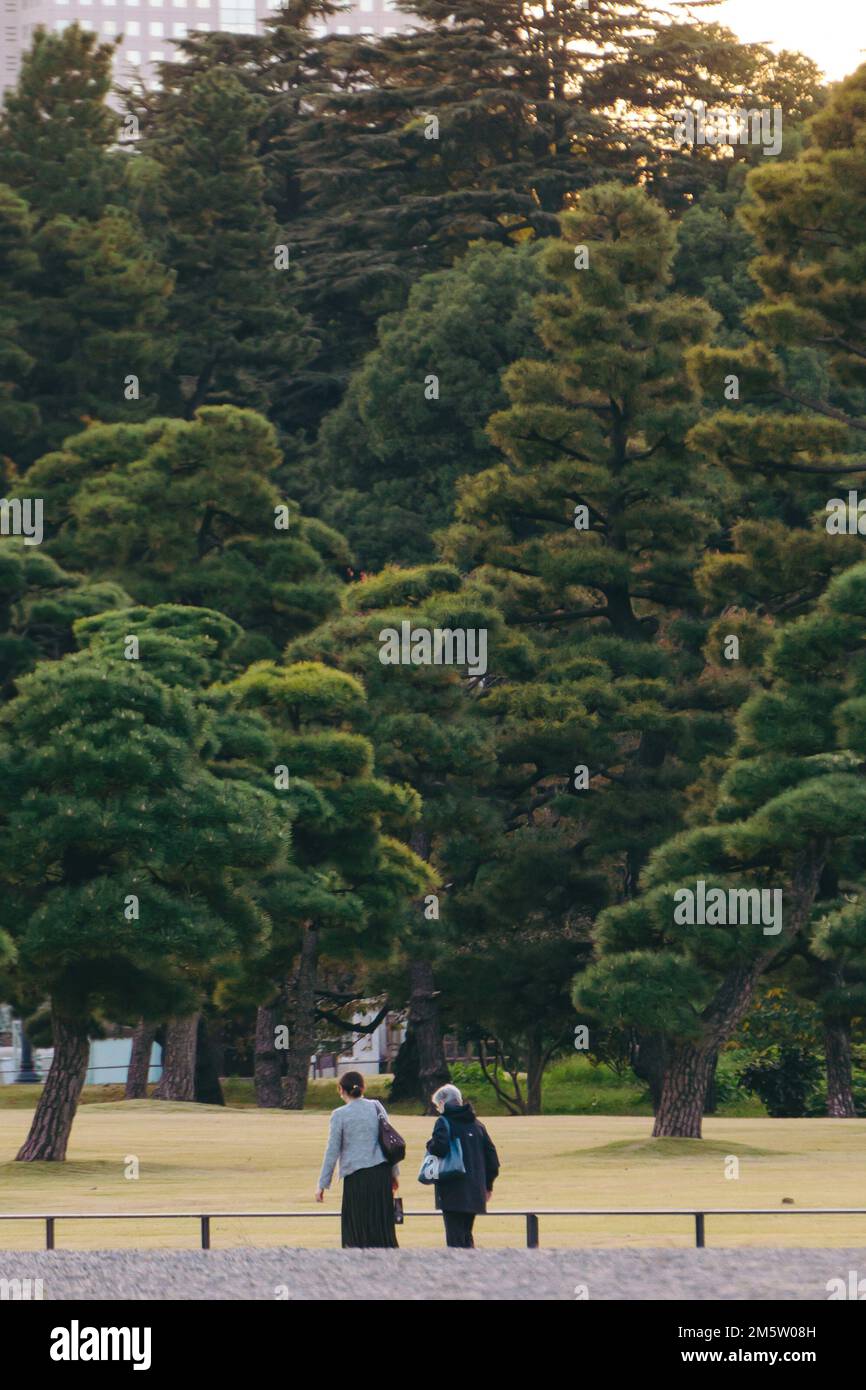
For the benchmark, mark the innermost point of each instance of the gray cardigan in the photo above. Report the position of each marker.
(354, 1139)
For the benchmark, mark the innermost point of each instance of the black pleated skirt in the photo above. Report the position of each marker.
(368, 1210)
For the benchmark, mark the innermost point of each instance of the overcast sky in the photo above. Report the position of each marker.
(833, 32)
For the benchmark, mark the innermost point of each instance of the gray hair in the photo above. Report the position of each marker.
(447, 1095)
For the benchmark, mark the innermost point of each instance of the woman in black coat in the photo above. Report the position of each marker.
(462, 1197)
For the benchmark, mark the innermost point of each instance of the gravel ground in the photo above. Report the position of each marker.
(405, 1275)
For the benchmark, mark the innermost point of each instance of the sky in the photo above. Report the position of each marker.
(833, 32)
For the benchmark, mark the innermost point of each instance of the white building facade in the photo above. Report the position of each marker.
(148, 27)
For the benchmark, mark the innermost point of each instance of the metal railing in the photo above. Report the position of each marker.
(531, 1217)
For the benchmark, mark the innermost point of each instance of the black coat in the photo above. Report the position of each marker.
(468, 1192)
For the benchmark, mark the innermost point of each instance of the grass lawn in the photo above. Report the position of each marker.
(200, 1158)
(571, 1087)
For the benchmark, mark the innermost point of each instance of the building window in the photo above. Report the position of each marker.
(157, 56)
(366, 6)
(203, 28)
(156, 29)
(60, 25)
(179, 31)
(133, 55)
(343, 29)
(132, 27)
(109, 26)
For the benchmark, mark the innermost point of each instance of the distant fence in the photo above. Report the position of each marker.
(532, 1218)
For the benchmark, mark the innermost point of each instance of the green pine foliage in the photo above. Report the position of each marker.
(57, 132)
(39, 606)
(88, 292)
(231, 313)
(788, 818)
(124, 857)
(411, 423)
(186, 512)
(19, 416)
(793, 438)
(595, 435)
(342, 901)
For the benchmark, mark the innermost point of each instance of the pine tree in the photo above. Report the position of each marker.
(191, 648)
(88, 294)
(238, 333)
(188, 512)
(18, 416)
(39, 605)
(411, 423)
(590, 531)
(56, 130)
(351, 876)
(838, 942)
(124, 858)
(424, 724)
(788, 822)
(94, 303)
(385, 158)
(790, 438)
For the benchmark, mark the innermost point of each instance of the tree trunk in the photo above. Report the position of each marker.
(178, 1059)
(302, 1036)
(648, 1059)
(682, 1104)
(423, 1023)
(268, 1063)
(534, 1075)
(690, 1065)
(423, 1026)
(139, 1061)
(406, 1084)
(710, 1101)
(208, 1059)
(52, 1122)
(837, 1052)
(688, 1073)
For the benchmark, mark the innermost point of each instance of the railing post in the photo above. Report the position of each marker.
(699, 1230)
(531, 1231)
(205, 1233)
(49, 1233)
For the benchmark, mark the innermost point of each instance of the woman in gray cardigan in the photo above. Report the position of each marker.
(369, 1181)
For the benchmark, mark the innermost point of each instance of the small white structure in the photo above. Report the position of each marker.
(108, 1061)
(369, 1053)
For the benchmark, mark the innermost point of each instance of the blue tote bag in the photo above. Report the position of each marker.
(435, 1169)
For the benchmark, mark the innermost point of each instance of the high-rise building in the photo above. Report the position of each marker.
(148, 27)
